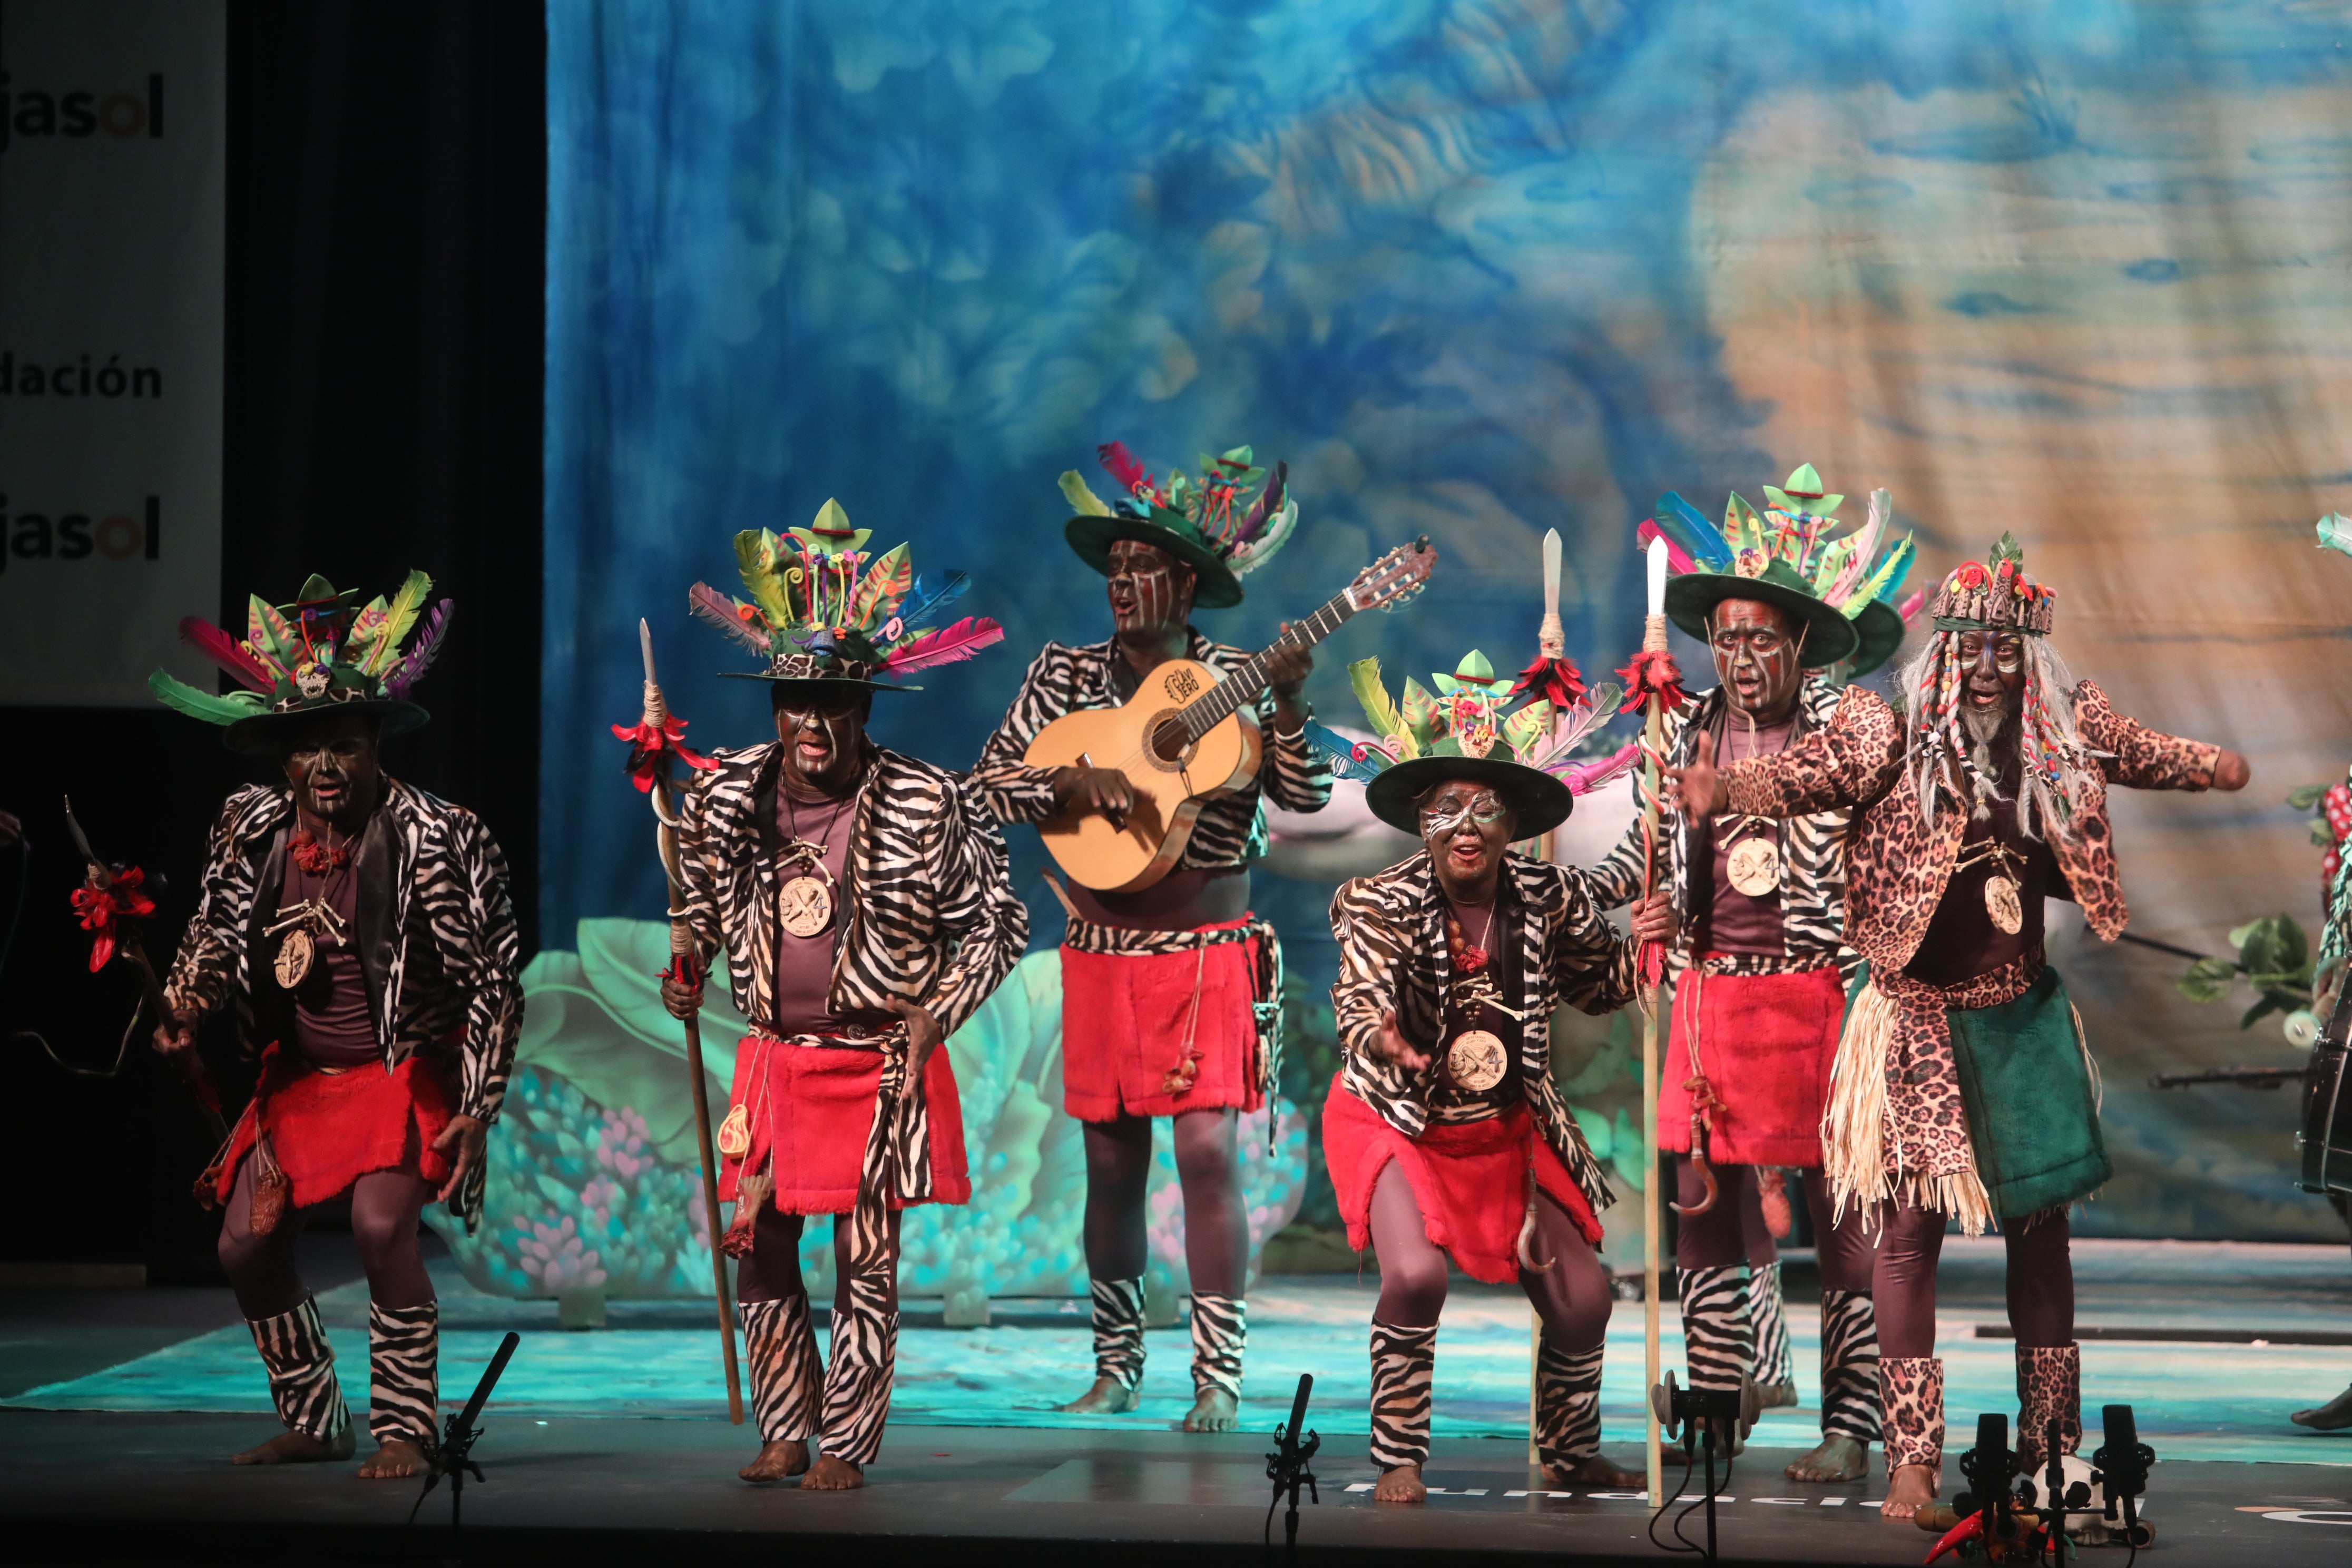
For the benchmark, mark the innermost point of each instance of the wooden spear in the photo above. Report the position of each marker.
(681, 953)
(1653, 641)
(1551, 642)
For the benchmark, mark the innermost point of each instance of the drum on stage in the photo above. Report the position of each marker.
(2326, 1137)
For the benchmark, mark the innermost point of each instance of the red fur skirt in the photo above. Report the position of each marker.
(1124, 1021)
(1767, 1043)
(812, 1108)
(1470, 1179)
(328, 1129)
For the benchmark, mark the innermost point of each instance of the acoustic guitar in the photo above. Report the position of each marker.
(1187, 737)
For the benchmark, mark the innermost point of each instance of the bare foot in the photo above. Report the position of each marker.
(1215, 1411)
(1911, 1488)
(2332, 1416)
(1597, 1473)
(832, 1475)
(398, 1457)
(1109, 1396)
(1401, 1484)
(784, 1458)
(1838, 1458)
(296, 1449)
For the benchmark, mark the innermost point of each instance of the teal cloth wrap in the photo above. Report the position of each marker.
(2033, 1117)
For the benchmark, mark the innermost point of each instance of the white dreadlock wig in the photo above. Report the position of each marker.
(1940, 753)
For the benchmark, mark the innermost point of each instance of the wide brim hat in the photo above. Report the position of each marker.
(1540, 802)
(807, 670)
(1879, 630)
(1214, 586)
(1829, 636)
(261, 735)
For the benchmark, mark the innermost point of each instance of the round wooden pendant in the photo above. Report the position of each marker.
(807, 906)
(735, 1134)
(1476, 1060)
(2001, 903)
(1755, 866)
(293, 958)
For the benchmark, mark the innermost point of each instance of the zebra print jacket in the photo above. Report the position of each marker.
(1813, 847)
(435, 932)
(1063, 680)
(932, 916)
(1393, 956)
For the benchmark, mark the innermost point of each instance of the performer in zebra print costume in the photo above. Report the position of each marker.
(864, 903)
(361, 930)
(1444, 1135)
(1963, 1087)
(1760, 975)
(1172, 996)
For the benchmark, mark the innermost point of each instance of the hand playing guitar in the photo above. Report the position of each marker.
(1104, 790)
(1287, 666)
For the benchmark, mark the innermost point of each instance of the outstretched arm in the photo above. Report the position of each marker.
(2148, 759)
(1852, 762)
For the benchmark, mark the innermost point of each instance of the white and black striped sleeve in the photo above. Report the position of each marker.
(1299, 775)
(1010, 788)
(212, 948)
(1593, 968)
(698, 887)
(481, 953)
(977, 910)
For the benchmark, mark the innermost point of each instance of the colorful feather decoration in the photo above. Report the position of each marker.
(946, 644)
(1678, 559)
(1583, 778)
(709, 603)
(271, 638)
(1131, 474)
(1887, 579)
(224, 651)
(1364, 676)
(1683, 525)
(1083, 500)
(1865, 548)
(2335, 534)
(412, 668)
(399, 618)
(182, 698)
(930, 595)
(1267, 505)
(1423, 714)
(757, 560)
(1362, 760)
(1253, 553)
(881, 591)
(1597, 709)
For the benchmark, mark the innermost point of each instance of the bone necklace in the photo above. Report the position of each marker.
(307, 921)
(805, 905)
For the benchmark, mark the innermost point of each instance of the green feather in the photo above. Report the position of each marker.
(758, 556)
(1423, 717)
(196, 704)
(266, 630)
(1083, 502)
(399, 620)
(1364, 676)
(366, 627)
(1889, 574)
(880, 591)
(1523, 730)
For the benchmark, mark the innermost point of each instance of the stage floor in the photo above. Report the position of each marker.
(120, 1406)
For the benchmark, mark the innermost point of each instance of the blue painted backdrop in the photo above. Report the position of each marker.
(1479, 270)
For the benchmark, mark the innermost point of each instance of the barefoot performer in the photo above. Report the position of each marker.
(1963, 1090)
(1761, 973)
(1444, 1135)
(363, 931)
(1171, 995)
(864, 902)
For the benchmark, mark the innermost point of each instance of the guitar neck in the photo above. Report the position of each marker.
(1244, 685)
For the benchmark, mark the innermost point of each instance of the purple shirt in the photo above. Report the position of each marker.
(1728, 921)
(335, 1027)
(805, 963)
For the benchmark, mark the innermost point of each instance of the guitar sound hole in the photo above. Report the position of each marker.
(1169, 741)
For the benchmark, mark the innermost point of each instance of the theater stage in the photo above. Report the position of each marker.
(604, 1445)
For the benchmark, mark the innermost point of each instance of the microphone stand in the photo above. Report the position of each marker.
(453, 1455)
(1286, 1466)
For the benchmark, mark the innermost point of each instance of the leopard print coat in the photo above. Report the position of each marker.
(1897, 866)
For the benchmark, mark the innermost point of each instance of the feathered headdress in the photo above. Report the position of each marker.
(1224, 524)
(321, 652)
(824, 608)
(1460, 730)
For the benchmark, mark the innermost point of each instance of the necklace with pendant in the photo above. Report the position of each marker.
(2003, 907)
(1754, 863)
(1474, 1058)
(805, 905)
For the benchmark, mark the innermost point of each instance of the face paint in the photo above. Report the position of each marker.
(1149, 591)
(1757, 658)
(1992, 666)
(821, 742)
(334, 771)
(1465, 827)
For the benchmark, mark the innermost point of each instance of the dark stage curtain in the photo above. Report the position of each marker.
(386, 205)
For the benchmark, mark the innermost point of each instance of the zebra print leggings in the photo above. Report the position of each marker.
(773, 1271)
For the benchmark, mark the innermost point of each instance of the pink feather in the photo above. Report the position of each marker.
(1131, 474)
(421, 654)
(1910, 608)
(709, 603)
(223, 649)
(1583, 778)
(1678, 560)
(946, 644)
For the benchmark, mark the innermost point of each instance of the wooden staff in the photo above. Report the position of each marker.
(1653, 640)
(1551, 642)
(681, 953)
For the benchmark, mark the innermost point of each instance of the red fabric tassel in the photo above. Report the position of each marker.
(1557, 680)
(1648, 675)
(101, 907)
(647, 745)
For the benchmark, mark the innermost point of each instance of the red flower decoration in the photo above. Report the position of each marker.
(1470, 960)
(101, 907)
(1557, 680)
(649, 745)
(1651, 674)
(1971, 575)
